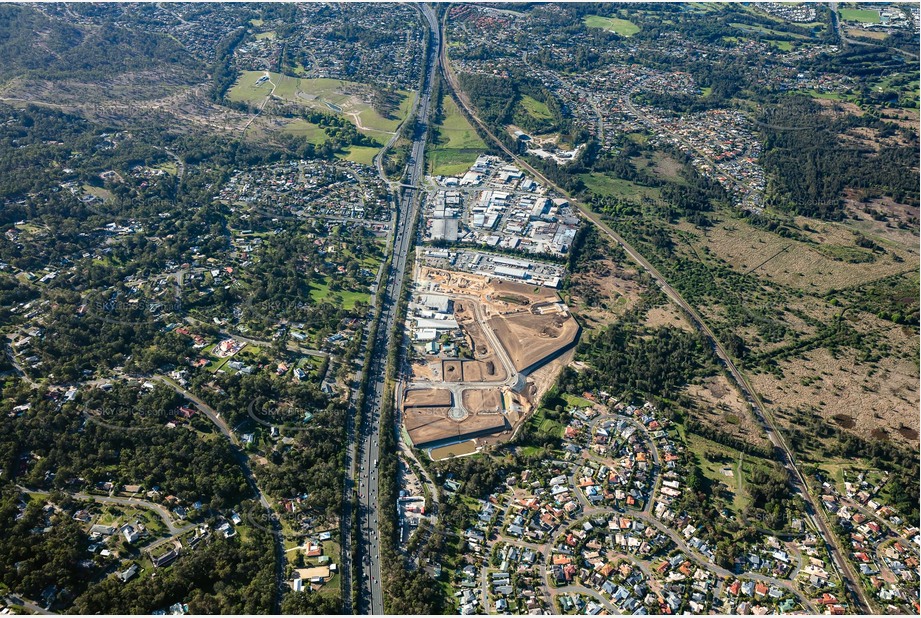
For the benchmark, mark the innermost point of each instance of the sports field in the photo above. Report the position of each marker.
(622, 27)
(864, 16)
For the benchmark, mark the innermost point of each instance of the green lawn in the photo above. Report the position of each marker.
(266, 35)
(622, 27)
(782, 45)
(763, 30)
(865, 16)
(579, 402)
(320, 292)
(452, 162)
(455, 132)
(333, 96)
(713, 470)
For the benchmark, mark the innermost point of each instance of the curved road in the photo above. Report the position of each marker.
(765, 418)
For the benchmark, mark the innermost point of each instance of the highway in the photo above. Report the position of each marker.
(370, 591)
(762, 414)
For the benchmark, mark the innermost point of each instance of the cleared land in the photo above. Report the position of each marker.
(530, 338)
(878, 399)
(428, 397)
(483, 400)
(604, 185)
(432, 425)
(360, 154)
(540, 333)
(309, 131)
(622, 27)
(350, 100)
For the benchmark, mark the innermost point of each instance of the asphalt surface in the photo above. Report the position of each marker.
(370, 592)
(764, 417)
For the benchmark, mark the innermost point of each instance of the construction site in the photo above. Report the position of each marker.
(484, 351)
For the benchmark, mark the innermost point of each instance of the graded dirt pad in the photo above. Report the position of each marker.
(422, 370)
(427, 397)
(530, 338)
(452, 371)
(482, 400)
(429, 425)
(871, 400)
(484, 371)
(520, 291)
(487, 367)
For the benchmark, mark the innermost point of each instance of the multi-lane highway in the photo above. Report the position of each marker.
(370, 597)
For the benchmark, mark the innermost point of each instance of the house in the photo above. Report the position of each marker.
(128, 573)
(130, 533)
(166, 558)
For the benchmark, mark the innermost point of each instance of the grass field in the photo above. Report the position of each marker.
(456, 133)
(606, 185)
(344, 98)
(866, 16)
(320, 292)
(579, 402)
(763, 30)
(266, 35)
(103, 194)
(301, 128)
(713, 470)
(360, 154)
(459, 145)
(867, 34)
(169, 167)
(535, 108)
(622, 27)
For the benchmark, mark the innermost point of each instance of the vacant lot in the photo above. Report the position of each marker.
(458, 144)
(603, 292)
(360, 154)
(534, 108)
(719, 405)
(530, 338)
(829, 259)
(602, 184)
(309, 131)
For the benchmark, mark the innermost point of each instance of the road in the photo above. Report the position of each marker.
(764, 417)
(370, 597)
(243, 461)
(19, 600)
